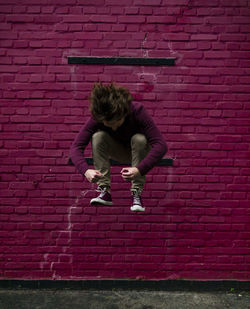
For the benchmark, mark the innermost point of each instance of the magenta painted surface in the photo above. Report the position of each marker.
(197, 223)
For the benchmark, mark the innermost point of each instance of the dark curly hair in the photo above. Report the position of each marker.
(110, 102)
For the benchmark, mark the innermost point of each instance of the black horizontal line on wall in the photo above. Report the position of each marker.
(162, 162)
(122, 61)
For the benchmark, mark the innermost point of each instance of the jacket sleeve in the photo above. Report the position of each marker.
(155, 139)
(81, 141)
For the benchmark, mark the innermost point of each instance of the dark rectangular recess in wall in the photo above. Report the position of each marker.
(122, 61)
(162, 162)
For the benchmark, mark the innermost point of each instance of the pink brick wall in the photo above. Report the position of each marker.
(197, 223)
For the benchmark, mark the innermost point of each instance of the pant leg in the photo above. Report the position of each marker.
(105, 147)
(139, 150)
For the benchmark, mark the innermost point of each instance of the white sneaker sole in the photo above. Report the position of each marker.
(99, 201)
(137, 208)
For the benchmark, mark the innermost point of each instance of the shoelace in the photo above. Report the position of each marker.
(102, 191)
(137, 200)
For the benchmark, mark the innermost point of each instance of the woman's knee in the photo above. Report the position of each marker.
(99, 137)
(139, 140)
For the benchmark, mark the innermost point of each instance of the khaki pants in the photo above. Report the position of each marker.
(104, 147)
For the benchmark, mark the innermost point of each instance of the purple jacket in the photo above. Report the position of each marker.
(138, 121)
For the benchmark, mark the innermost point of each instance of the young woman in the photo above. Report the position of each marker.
(122, 130)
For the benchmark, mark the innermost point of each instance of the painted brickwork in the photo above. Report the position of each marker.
(197, 223)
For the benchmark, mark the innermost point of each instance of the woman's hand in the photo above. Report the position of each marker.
(130, 173)
(93, 175)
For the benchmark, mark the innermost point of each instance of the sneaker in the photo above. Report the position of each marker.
(104, 198)
(137, 202)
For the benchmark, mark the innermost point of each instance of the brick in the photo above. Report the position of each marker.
(232, 37)
(89, 36)
(161, 19)
(131, 19)
(216, 54)
(205, 37)
(47, 19)
(103, 19)
(20, 18)
(90, 3)
(175, 3)
(228, 139)
(241, 20)
(147, 2)
(176, 36)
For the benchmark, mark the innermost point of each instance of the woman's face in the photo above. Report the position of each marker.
(114, 124)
